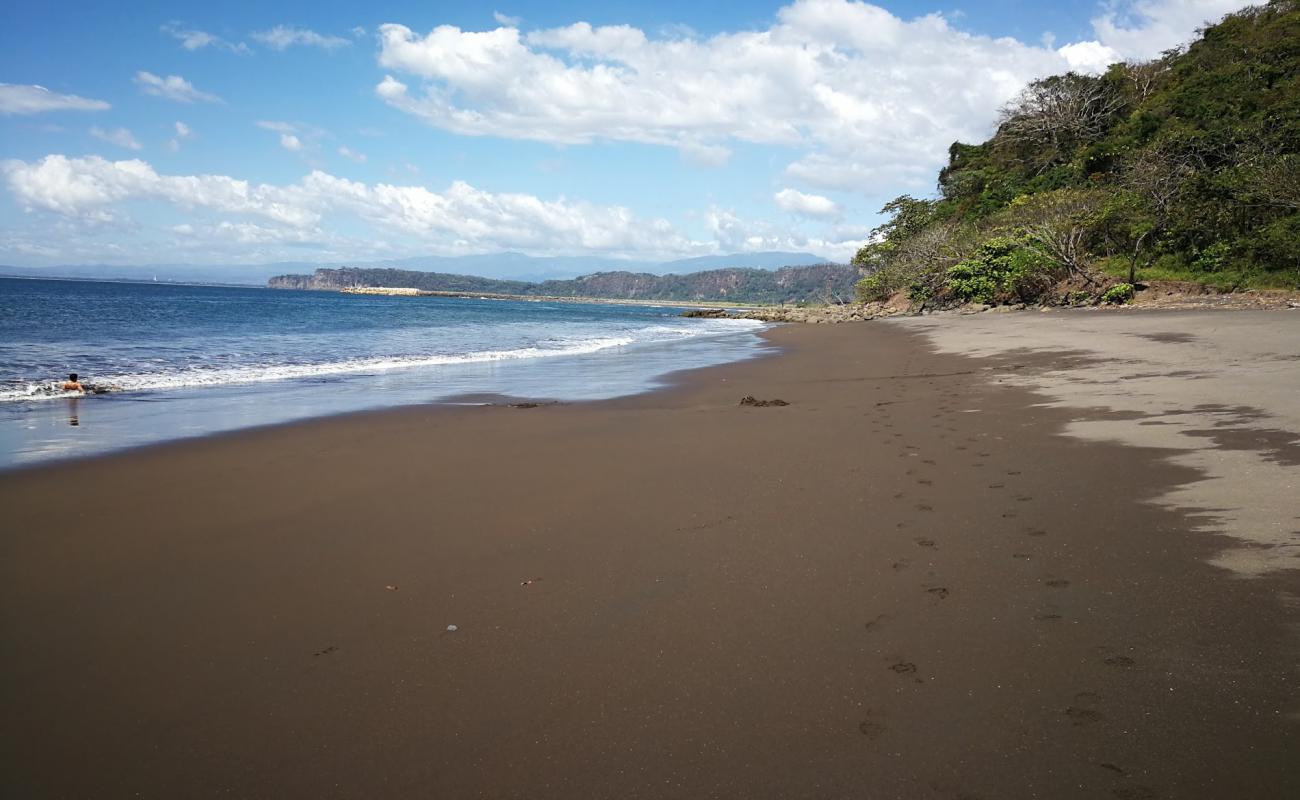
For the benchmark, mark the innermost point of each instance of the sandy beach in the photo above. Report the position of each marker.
(915, 580)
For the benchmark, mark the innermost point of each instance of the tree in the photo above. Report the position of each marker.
(1060, 223)
(908, 216)
(1054, 116)
(1155, 177)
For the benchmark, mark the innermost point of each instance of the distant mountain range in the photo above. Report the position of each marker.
(506, 266)
(792, 284)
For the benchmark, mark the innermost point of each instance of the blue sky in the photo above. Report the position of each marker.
(254, 132)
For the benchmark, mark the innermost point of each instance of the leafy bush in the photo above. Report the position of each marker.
(1212, 258)
(1119, 294)
(1003, 267)
(874, 288)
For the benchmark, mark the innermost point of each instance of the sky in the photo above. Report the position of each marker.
(243, 133)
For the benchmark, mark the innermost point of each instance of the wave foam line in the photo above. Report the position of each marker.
(189, 379)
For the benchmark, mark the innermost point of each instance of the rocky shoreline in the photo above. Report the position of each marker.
(1156, 295)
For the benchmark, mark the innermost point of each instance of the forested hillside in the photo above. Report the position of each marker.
(1186, 167)
(822, 283)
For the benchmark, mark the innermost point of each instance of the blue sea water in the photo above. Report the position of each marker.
(183, 361)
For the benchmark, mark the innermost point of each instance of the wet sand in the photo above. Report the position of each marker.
(906, 583)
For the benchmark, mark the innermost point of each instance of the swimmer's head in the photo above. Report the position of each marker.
(72, 376)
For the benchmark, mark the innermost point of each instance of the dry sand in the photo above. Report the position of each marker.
(869, 592)
(1219, 391)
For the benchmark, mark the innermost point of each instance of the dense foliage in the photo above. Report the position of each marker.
(1186, 167)
(821, 283)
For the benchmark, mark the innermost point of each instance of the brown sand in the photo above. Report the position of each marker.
(867, 593)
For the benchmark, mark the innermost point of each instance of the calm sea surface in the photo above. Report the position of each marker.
(184, 361)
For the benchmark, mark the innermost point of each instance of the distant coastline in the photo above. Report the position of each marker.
(817, 284)
(406, 291)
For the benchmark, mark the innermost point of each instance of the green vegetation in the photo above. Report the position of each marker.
(819, 283)
(1183, 168)
(1118, 294)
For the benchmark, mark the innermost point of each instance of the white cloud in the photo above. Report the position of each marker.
(183, 131)
(459, 217)
(704, 155)
(295, 136)
(358, 31)
(173, 87)
(282, 37)
(1091, 57)
(737, 235)
(351, 154)
(506, 19)
(17, 98)
(1142, 29)
(192, 39)
(118, 136)
(278, 127)
(864, 95)
(806, 205)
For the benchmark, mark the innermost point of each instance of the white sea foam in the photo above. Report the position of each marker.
(200, 377)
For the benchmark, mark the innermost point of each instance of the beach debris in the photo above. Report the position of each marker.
(390, 587)
(528, 582)
(452, 628)
(750, 400)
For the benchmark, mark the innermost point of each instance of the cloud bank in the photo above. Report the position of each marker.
(869, 97)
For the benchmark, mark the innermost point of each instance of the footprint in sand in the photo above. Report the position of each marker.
(938, 591)
(925, 542)
(1080, 716)
(1048, 616)
(877, 622)
(326, 651)
(1020, 555)
(1036, 532)
(924, 481)
(996, 485)
(924, 507)
(903, 667)
(871, 729)
(1118, 661)
(1057, 583)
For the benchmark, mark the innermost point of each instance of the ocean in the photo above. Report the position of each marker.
(179, 361)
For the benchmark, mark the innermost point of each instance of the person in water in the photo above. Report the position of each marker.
(72, 384)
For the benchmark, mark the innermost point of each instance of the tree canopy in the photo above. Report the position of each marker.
(1186, 167)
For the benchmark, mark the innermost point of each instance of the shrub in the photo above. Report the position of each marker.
(1119, 294)
(873, 288)
(1212, 258)
(1003, 267)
